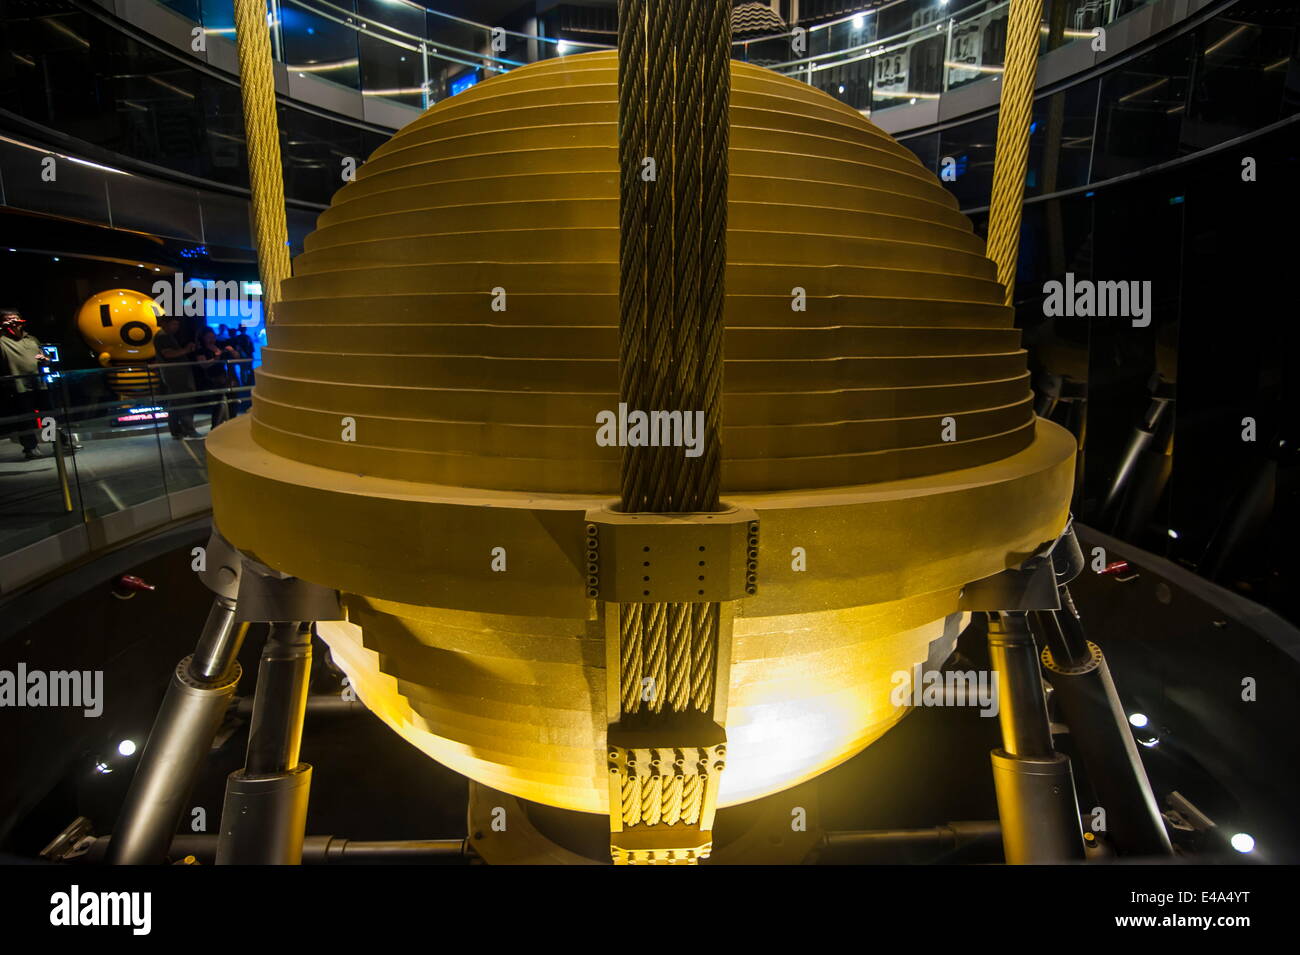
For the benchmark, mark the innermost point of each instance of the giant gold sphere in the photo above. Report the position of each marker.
(877, 417)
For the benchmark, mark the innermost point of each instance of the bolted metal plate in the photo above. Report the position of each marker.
(672, 558)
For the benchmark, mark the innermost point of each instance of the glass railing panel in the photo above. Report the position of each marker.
(53, 56)
(1065, 21)
(1143, 106)
(926, 148)
(975, 45)
(970, 148)
(39, 495)
(1242, 63)
(314, 152)
(214, 396)
(1151, 109)
(222, 142)
(392, 72)
(117, 463)
(413, 54)
(909, 70)
(404, 21)
(79, 446)
(189, 9)
(1061, 139)
(159, 106)
(767, 52)
(458, 40)
(321, 41)
(218, 17)
(900, 39)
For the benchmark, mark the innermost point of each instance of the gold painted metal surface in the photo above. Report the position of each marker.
(475, 429)
(512, 185)
(692, 558)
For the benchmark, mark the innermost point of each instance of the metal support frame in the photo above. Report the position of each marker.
(1090, 705)
(1032, 780)
(74, 846)
(1034, 784)
(200, 692)
(202, 688)
(264, 818)
(1037, 806)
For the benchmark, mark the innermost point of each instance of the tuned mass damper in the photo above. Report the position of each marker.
(863, 326)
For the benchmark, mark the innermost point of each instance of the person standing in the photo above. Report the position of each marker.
(177, 377)
(244, 346)
(213, 372)
(23, 358)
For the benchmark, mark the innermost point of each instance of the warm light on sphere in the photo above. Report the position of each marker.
(884, 431)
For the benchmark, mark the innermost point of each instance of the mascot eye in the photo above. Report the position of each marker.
(136, 333)
(105, 317)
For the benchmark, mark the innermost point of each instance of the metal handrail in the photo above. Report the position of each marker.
(894, 38)
(58, 424)
(801, 68)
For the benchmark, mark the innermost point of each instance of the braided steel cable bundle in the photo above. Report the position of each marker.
(673, 92)
(262, 137)
(1011, 156)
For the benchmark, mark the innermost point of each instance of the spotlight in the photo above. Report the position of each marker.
(1243, 842)
(1138, 719)
(859, 21)
(126, 747)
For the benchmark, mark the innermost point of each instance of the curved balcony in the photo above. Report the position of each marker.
(105, 467)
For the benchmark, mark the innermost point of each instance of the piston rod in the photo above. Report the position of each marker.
(197, 698)
(1037, 805)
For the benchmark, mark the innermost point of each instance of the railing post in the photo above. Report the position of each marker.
(947, 57)
(62, 466)
(277, 37)
(424, 72)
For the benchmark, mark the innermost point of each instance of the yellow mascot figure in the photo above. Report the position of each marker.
(119, 326)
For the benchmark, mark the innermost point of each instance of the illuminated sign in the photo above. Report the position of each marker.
(136, 415)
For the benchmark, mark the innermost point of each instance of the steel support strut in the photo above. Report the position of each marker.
(1037, 805)
(200, 691)
(1090, 705)
(264, 818)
